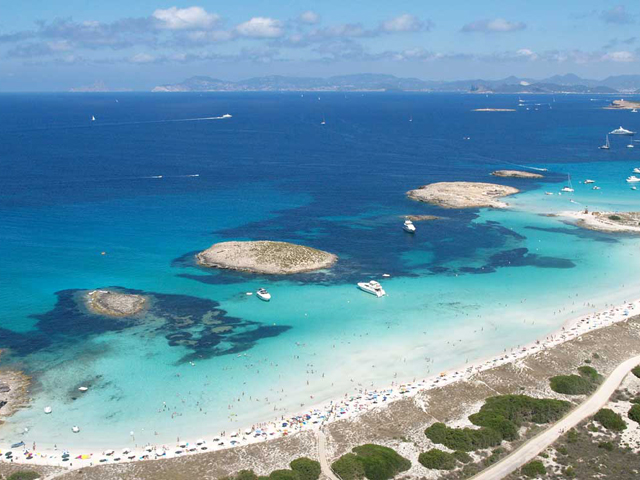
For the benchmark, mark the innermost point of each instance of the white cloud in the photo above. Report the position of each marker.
(142, 58)
(403, 23)
(192, 18)
(622, 56)
(497, 25)
(309, 17)
(261, 27)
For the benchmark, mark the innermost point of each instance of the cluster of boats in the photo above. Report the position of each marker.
(618, 131)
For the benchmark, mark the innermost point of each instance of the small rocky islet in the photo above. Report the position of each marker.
(112, 303)
(265, 257)
(463, 194)
(515, 174)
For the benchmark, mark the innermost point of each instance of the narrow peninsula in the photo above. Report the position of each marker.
(515, 174)
(462, 194)
(266, 257)
(612, 222)
(115, 304)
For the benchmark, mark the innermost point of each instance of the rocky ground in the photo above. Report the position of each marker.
(622, 105)
(621, 222)
(266, 257)
(462, 194)
(14, 392)
(115, 304)
(515, 174)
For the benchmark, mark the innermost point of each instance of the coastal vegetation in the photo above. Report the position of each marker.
(371, 461)
(266, 257)
(636, 371)
(499, 419)
(582, 384)
(300, 469)
(610, 420)
(533, 469)
(436, 459)
(24, 475)
(634, 413)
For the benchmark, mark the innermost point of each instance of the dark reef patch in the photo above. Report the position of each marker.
(579, 232)
(192, 323)
(519, 257)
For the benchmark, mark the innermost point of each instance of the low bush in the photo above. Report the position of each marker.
(462, 457)
(306, 468)
(283, 475)
(608, 446)
(590, 374)
(24, 475)
(614, 217)
(610, 420)
(533, 469)
(572, 436)
(636, 371)
(437, 460)
(634, 413)
(465, 439)
(571, 385)
(494, 457)
(374, 462)
(246, 475)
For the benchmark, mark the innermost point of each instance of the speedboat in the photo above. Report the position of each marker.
(263, 294)
(409, 227)
(596, 188)
(635, 110)
(636, 170)
(621, 131)
(47, 410)
(633, 179)
(83, 389)
(372, 287)
(568, 189)
(548, 193)
(589, 181)
(226, 115)
(75, 429)
(631, 145)
(634, 188)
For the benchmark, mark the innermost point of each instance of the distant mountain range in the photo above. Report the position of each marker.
(377, 82)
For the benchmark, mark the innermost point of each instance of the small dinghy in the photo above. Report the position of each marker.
(47, 410)
(75, 429)
(83, 389)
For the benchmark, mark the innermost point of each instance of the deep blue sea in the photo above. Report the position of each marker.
(154, 179)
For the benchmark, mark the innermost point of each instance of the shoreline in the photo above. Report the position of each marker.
(350, 406)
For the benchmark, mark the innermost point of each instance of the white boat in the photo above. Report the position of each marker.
(226, 115)
(606, 146)
(548, 193)
(635, 110)
(75, 429)
(636, 170)
(47, 410)
(83, 389)
(596, 188)
(633, 179)
(93, 119)
(411, 118)
(621, 131)
(372, 287)
(323, 122)
(263, 294)
(634, 188)
(589, 181)
(409, 227)
(569, 188)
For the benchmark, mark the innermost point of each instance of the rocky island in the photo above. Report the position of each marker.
(115, 304)
(273, 258)
(462, 194)
(421, 218)
(515, 174)
(622, 105)
(613, 222)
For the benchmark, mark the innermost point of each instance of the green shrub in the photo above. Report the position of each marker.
(614, 217)
(562, 450)
(374, 462)
(465, 439)
(283, 475)
(533, 469)
(462, 457)
(608, 446)
(493, 458)
(636, 371)
(348, 467)
(610, 420)
(572, 436)
(24, 475)
(437, 460)
(590, 374)
(571, 385)
(634, 413)
(246, 475)
(306, 468)
(570, 472)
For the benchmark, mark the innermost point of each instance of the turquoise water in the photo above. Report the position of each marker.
(464, 287)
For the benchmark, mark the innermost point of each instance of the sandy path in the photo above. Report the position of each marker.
(322, 456)
(529, 450)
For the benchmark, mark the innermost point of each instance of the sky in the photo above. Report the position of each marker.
(51, 45)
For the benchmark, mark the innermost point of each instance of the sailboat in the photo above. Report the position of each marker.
(606, 146)
(93, 119)
(570, 187)
(323, 122)
(411, 118)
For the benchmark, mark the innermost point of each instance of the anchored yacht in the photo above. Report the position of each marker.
(570, 187)
(621, 131)
(372, 287)
(633, 179)
(262, 294)
(409, 227)
(589, 181)
(606, 146)
(636, 170)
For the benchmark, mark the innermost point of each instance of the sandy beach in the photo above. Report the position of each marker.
(351, 406)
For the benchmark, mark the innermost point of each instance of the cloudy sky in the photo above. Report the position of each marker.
(56, 45)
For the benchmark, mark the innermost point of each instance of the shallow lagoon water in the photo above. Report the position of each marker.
(464, 287)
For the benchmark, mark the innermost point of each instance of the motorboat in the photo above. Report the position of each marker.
(634, 188)
(621, 131)
(596, 188)
(226, 115)
(263, 294)
(83, 389)
(372, 287)
(635, 110)
(323, 122)
(75, 429)
(548, 193)
(633, 179)
(636, 170)
(48, 410)
(409, 227)
(589, 181)
(631, 145)
(606, 146)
